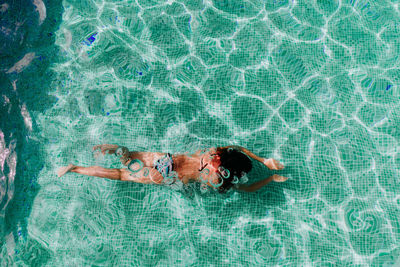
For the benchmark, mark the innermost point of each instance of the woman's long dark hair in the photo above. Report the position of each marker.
(236, 162)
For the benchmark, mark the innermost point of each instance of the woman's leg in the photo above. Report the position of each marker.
(114, 174)
(145, 176)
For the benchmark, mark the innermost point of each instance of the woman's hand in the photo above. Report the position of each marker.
(110, 149)
(273, 164)
(278, 178)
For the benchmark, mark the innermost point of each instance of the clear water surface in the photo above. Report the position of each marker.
(314, 84)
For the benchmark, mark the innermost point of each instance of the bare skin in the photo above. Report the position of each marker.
(186, 166)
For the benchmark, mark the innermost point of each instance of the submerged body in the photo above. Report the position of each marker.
(203, 166)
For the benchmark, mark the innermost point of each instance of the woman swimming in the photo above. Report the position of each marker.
(220, 168)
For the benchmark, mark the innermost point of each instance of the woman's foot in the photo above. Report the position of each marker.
(63, 170)
(273, 164)
(278, 178)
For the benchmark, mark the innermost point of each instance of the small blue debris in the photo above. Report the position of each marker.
(102, 109)
(16, 251)
(140, 73)
(108, 113)
(91, 39)
(19, 233)
(388, 87)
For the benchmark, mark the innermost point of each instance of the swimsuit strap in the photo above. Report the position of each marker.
(202, 168)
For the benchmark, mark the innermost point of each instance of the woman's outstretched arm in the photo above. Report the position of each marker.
(257, 185)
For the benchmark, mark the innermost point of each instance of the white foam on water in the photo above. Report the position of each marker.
(176, 130)
(6, 30)
(27, 117)
(10, 244)
(41, 9)
(9, 156)
(23, 63)
(68, 39)
(4, 7)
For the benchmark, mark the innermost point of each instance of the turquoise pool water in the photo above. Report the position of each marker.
(314, 84)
